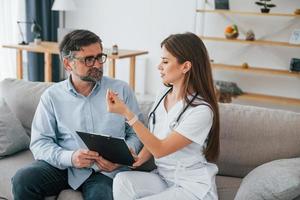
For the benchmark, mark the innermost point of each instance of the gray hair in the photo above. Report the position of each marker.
(75, 40)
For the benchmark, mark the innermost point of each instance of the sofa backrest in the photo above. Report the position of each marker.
(22, 97)
(251, 136)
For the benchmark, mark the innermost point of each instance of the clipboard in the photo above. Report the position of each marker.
(111, 148)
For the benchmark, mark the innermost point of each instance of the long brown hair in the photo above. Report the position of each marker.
(189, 47)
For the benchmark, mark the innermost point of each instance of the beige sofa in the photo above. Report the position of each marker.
(250, 137)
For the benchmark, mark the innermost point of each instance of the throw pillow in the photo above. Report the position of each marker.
(13, 137)
(279, 179)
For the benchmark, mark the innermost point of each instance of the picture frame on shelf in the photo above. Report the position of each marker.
(222, 4)
(295, 37)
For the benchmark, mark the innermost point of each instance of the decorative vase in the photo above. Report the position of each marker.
(37, 41)
(250, 36)
(297, 11)
(231, 35)
(115, 50)
(245, 65)
(265, 10)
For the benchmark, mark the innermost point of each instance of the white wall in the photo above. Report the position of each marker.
(143, 24)
(135, 24)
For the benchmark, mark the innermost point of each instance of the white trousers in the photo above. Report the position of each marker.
(135, 185)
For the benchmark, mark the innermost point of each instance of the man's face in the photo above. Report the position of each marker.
(84, 65)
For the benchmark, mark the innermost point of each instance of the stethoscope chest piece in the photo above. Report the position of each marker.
(173, 124)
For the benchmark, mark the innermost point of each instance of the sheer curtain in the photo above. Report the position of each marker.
(10, 12)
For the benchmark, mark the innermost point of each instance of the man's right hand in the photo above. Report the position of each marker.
(84, 158)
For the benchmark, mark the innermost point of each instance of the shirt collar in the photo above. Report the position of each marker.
(71, 88)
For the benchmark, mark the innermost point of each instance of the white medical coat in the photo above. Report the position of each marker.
(187, 167)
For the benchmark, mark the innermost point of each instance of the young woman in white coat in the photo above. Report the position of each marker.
(183, 134)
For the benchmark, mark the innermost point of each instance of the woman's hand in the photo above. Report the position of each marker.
(138, 161)
(114, 103)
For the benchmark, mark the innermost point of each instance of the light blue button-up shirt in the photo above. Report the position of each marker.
(62, 111)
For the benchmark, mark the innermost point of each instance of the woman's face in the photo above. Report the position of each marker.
(171, 71)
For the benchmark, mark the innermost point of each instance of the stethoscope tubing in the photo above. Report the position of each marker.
(175, 123)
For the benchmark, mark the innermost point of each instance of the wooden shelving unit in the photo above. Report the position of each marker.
(261, 97)
(269, 99)
(255, 42)
(258, 70)
(247, 13)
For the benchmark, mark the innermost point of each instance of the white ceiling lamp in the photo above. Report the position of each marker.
(63, 5)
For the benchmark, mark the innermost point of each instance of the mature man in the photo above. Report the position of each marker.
(76, 104)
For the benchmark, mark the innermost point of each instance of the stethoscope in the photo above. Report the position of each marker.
(174, 123)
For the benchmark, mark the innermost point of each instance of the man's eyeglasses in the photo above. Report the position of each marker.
(89, 61)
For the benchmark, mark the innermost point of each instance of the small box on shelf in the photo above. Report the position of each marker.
(222, 4)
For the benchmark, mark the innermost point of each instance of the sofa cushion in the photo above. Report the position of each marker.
(70, 195)
(227, 187)
(251, 136)
(279, 179)
(13, 137)
(22, 97)
(8, 167)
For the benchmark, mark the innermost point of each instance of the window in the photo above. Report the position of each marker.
(10, 12)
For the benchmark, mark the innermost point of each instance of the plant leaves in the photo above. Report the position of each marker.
(259, 3)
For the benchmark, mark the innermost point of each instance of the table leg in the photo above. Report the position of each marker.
(132, 73)
(48, 67)
(19, 64)
(112, 68)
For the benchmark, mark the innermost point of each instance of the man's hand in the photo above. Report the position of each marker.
(84, 158)
(105, 165)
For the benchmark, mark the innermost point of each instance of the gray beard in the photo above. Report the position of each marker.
(93, 75)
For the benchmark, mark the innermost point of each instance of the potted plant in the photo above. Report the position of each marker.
(266, 5)
(36, 29)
